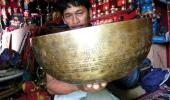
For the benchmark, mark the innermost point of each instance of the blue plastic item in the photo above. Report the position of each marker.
(159, 39)
(152, 80)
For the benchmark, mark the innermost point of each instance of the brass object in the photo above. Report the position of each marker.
(97, 53)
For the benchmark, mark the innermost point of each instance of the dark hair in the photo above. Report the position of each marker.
(64, 4)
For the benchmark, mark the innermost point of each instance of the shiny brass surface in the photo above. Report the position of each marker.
(97, 53)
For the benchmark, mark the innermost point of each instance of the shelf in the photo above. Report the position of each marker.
(10, 74)
(126, 14)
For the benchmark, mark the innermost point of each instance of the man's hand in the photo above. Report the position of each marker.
(93, 87)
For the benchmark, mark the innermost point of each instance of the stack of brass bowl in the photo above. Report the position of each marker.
(98, 53)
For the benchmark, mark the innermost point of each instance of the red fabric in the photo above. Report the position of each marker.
(31, 92)
(38, 95)
(168, 56)
(119, 3)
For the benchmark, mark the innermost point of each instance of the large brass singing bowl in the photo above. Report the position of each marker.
(98, 53)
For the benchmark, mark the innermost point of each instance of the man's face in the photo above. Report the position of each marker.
(76, 17)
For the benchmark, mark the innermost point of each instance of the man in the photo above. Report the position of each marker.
(76, 14)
